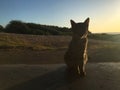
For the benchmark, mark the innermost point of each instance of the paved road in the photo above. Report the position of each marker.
(100, 76)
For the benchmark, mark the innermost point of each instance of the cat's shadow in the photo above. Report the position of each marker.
(49, 81)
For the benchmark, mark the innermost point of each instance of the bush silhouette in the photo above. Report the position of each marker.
(1, 28)
(17, 27)
(47, 29)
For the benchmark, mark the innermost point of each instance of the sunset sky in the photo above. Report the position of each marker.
(104, 14)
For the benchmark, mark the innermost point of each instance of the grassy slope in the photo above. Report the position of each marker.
(31, 49)
(34, 42)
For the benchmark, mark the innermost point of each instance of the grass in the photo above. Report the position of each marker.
(35, 49)
(37, 42)
(104, 36)
(34, 42)
(104, 51)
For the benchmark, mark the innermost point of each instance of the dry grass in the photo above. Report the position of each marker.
(33, 49)
(103, 51)
(34, 42)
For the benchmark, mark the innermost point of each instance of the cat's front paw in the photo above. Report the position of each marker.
(83, 74)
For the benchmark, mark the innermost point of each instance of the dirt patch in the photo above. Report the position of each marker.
(31, 56)
(17, 56)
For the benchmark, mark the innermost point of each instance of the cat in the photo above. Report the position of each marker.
(76, 55)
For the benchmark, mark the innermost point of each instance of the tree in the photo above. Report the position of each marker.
(17, 27)
(1, 28)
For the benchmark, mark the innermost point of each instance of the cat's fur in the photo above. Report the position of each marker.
(76, 55)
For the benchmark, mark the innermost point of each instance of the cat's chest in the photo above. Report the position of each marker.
(78, 43)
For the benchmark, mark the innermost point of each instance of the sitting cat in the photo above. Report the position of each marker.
(76, 55)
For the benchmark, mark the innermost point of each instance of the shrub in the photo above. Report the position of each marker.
(1, 28)
(17, 27)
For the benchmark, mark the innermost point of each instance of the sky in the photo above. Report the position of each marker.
(104, 14)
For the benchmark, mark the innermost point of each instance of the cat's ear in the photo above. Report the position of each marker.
(87, 21)
(72, 23)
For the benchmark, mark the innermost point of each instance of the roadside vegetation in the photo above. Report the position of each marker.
(19, 45)
(20, 27)
(37, 49)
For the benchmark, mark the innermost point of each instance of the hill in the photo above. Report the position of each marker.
(20, 27)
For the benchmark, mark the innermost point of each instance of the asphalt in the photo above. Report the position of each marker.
(100, 76)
